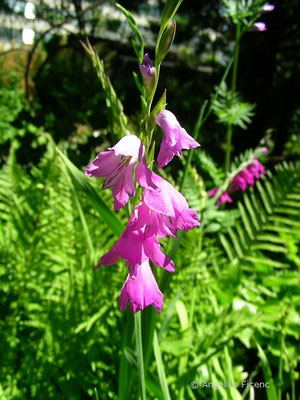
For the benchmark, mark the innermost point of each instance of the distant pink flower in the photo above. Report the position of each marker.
(147, 70)
(224, 198)
(116, 166)
(265, 150)
(135, 248)
(247, 176)
(141, 290)
(256, 169)
(268, 7)
(259, 26)
(175, 138)
(238, 182)
(170, 207)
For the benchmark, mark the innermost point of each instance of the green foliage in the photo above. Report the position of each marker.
(51, 305)
(243, 9)
(113, 103)
(11, 104)
(138, 45)
(230, 109)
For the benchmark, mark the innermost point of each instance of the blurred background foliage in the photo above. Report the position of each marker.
(232, 310)
(63, 96)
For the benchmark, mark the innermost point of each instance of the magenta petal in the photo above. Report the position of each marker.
(165, 155)
(153, 251)
(123, 187)
(141, 291)
(175, 138)
(116, 166)
(224, 198)
(187, 220)
(104, 165)
(131, 247)
(110, 258)
(144, 175)
(213, 192)
(159, 202)
(248, 177)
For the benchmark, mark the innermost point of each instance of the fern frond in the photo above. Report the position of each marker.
(269, 209)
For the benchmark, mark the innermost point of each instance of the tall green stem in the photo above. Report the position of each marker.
(233, 89)
(139, 353)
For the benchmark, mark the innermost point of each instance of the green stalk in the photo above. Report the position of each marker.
(139, 353)
(280, 368)
(233, 89)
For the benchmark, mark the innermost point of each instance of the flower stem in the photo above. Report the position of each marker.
(139, 353)
(233, 89)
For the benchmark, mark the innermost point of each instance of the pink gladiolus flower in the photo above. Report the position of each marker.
(175, 138)
(259, 26)
(224, 198)
(135, 248)
(141, 290)
(162, 198)
(155, 223)
(116, 166)
(147, 70)
(268, 7)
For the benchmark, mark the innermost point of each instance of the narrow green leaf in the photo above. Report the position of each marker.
(160, 368)
(138, 48)
(266, 261)
(246, 220)
(264, 197)
(226, 246)
(81, 183)
(271, 391)
(235, 242)
(251, 212)
(169, 11)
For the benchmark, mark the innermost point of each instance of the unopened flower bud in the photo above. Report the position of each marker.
(147, 70)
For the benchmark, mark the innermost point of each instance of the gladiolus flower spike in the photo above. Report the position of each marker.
(161, 212)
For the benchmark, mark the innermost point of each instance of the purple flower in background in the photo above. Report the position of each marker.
(268, 7)
(116, 166)
(256, 169)
(259, 26)
(265, 150)
(162, 198)
(175, 138)
(147, 70)
(238, 182)
(224, 198)
(247, 176)
(141, 290)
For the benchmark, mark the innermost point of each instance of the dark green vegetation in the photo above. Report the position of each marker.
(232, 308)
